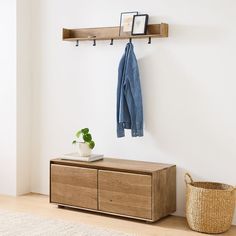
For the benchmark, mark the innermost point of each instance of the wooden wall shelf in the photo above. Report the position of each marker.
(112, 33)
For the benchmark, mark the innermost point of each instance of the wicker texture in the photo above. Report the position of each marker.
(209, 206)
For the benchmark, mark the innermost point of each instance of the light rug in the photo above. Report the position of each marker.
(21, 224)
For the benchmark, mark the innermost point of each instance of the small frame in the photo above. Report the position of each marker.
(126, 23)
(139, 26)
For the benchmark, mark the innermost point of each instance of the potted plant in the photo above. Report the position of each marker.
(85, 148)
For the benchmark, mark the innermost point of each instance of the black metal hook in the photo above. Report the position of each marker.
(94, 42)
(77, 43)
(111, 43)
(130, 40)
(149, 40)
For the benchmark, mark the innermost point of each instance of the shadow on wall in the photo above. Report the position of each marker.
(171, 103)
(196, 34)
(168, 72)
(178, 104)
(181, 191)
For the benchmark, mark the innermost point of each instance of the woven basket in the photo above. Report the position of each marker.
(209, 206)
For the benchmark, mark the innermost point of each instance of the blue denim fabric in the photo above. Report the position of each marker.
(129, 97)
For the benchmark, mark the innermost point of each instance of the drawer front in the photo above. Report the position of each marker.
(74, 186)
(125, 193)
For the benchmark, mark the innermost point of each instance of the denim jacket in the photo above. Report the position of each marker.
(129, 98)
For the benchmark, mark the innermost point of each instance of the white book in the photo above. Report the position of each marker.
(76, 157)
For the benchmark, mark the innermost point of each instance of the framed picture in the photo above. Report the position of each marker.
(126, 22)
(139, 26)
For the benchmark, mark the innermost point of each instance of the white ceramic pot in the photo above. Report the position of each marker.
(84, 150)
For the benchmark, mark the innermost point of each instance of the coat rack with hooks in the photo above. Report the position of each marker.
(112, 34)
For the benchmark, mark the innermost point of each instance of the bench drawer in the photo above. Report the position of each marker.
(125, 193)
(74, 186)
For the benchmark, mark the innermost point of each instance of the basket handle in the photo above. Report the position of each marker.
(234, 192)
(188, 178)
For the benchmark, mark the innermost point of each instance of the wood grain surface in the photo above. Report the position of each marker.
(125, 193)
(74, 186)
(132, 166)
(163, 193)
(136, 189)
(107, 33)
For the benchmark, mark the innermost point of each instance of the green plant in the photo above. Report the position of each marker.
(87, 137)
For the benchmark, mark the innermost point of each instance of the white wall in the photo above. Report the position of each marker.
(188, 85)
(15, 97)
(23, 95)
(8, 97)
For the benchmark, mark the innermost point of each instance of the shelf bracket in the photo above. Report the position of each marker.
(94, 42)
(149, 40)
(77, 43)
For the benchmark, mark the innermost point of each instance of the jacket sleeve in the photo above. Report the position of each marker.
(133, 95)
(122, 115)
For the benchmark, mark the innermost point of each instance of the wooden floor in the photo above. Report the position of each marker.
(39, 205)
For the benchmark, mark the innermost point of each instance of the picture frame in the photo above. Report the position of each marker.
(126, 23)
(139, 26)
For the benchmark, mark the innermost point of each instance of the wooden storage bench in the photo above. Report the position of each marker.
(135, 189)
